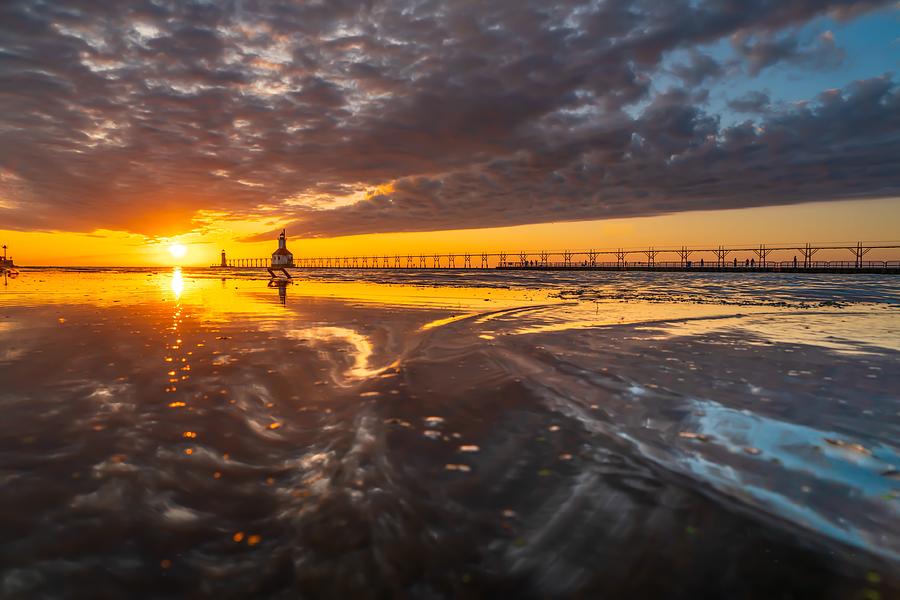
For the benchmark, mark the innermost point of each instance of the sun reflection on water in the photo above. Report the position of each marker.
(177, 282)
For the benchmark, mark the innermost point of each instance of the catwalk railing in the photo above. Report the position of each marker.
(721, 257)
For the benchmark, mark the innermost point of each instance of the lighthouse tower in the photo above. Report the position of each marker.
(282, 257)
(6, 263)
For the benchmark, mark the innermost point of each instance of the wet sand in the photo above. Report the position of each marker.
(415, 435)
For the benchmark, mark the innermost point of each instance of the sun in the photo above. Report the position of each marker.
(177, 250)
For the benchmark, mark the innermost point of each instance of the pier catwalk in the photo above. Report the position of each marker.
(786, 258)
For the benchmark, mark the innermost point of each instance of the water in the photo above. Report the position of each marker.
(425, 435)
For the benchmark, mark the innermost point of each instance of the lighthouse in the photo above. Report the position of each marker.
(282, 257)
(6, 263)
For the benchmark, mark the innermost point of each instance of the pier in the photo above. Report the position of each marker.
(794, 258)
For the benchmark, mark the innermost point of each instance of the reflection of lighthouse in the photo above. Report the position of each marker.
(282, 257)
(281, 284)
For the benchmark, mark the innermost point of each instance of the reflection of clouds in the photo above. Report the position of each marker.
(557, 318)
(803, 456)
(11, 354)
(821, 466)
(851, 333)
(7, 353)
(361, 345)
(791, 443)
(110, 396)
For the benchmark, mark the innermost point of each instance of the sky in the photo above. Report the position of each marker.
(429, 126)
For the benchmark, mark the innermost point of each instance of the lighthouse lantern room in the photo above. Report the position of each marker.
(282, 257)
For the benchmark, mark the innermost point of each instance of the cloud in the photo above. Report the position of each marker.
(672, 157)
(751, 102)
(700, 68)
(138, 115)
(767, 50)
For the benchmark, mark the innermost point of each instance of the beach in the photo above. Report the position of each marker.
(206, 432)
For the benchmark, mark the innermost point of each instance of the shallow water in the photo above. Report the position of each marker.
(422, 434)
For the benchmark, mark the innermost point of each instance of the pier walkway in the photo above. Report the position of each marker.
(743, 259)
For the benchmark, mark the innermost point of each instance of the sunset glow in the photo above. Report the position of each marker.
(177, 250)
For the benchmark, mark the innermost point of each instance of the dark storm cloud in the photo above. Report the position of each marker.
(136, 115)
